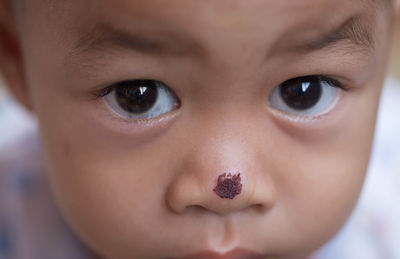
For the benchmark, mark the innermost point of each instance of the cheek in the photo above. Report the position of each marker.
(123, 191)
(95, 172)
(320, 196)
(320, 181)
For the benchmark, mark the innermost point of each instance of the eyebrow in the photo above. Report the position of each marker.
(104, 37)
(356, 30)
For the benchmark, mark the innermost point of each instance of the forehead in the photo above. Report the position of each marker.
(210, 24)
(208, 2)
(198, 15)
(194, 7)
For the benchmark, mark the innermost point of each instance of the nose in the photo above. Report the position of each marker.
(223, 172)
(189, 191)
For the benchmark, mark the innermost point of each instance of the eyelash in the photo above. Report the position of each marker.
(330, 80)
(291, 115)
(103, 92)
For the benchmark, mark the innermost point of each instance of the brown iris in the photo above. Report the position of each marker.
(301, 94)
(136, 96)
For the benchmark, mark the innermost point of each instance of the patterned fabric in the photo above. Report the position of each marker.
(32, 228)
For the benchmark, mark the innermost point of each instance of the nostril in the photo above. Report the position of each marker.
(194, 208)
(260, 208)
(190, 193)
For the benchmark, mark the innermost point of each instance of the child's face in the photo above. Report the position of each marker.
(250, 87)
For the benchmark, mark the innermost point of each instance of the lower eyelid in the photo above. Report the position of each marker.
(111, 113)
(146, 127)
(296, 118)
(309, 120)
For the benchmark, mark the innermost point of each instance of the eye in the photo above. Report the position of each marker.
(305, 96)
(140, 99)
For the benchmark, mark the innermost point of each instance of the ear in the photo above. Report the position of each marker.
(11, 61)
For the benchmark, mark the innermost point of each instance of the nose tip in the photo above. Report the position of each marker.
(225, 194)
(228, 186)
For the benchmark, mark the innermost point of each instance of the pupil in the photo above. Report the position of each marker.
(136, 96)
(301, 95)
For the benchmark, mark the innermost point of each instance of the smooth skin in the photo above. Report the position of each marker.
(144, 188)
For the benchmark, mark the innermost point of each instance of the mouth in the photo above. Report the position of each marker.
(234, 254)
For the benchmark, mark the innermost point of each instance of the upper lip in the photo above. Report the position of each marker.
(233, 254)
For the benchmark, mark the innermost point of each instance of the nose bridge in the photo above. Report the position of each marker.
(217, 147)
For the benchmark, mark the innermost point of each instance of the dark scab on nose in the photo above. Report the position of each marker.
(228, 186)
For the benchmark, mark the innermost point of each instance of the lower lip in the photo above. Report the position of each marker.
(235, 254)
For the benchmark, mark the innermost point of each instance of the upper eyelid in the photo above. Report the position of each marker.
(108, 89)
(103, 92)
(329, 79)
(340, 83)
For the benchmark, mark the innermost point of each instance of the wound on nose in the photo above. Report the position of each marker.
(228, 186)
